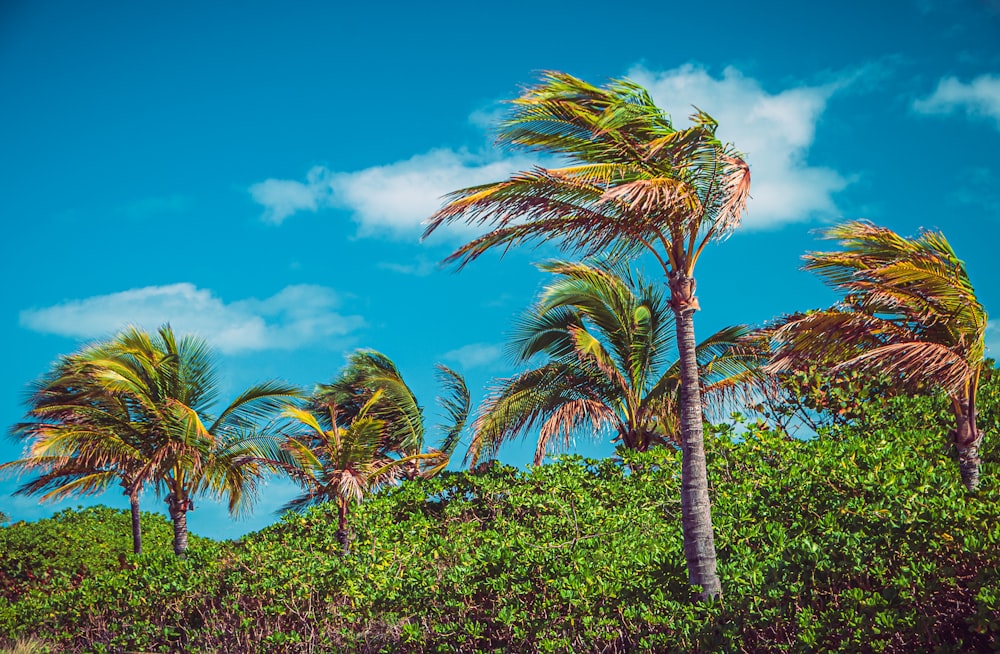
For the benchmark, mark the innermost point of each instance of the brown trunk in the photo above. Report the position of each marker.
(133, 500)
(342, 535)
(696, 508)
(967, 439)
(178, 514)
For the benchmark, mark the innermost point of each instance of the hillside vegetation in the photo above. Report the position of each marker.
(861, 540)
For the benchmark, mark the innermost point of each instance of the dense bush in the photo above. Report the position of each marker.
(72, 545)
(861, 540)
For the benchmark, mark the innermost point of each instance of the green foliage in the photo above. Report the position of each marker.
(861, 542)
(73, 545)
(814, 398)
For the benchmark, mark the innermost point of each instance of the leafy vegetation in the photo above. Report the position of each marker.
(71, 546)
(859, 541)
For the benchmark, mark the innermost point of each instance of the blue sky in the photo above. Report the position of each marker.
(258, 172)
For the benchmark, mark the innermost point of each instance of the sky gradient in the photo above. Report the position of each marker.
(258, 173)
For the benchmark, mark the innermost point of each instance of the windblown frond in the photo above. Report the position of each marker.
(607, 338)
(634, 182)
(908, 310)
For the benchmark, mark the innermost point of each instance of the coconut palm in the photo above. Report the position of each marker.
(82, 440)
(174, 384)
(338, 461)
(402, 417)
(634, 183)
(607, 339)
(908, 312)
(167, 387)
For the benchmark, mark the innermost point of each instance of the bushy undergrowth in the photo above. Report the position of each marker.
(71, 546)
(861, 540)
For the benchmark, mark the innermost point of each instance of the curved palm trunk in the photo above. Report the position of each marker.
(967, 438)
(696, 508)
(178, 515)
(133, 500)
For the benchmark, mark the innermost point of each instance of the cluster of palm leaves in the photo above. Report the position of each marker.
(364, 431)
(606, 338)
(908, 313)
(136, 410)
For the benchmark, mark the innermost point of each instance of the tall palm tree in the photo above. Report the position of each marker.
(607, 339)
(174, 385)
(908, 311)
(634, 184)
(368, 373)
(82, 440)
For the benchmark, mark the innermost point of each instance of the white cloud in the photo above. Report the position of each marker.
(774, 130)
(980, 97)
(475, 355)
(283, 197)
(296, 316)
(391, 200)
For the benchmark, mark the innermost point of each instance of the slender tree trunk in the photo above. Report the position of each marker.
(967, 439)
(133, 500)
(696, 508)
(342, 534)
(178, 514)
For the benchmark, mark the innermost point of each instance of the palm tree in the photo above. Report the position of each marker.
(81, 441)
(606, 339)
(908, 311)
(634, 184)
(174, 384)
(337, 461)
(368, 373)
(155, 393)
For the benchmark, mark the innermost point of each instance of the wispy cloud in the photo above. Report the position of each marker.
(977, 189)
(979, 98)
(156, 206)
(386, 201)
(297, 316)
(283, 197)
(420, 267)
(775, 130)
(475, 355)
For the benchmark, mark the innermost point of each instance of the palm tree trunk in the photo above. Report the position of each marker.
(696, 508)
(178, 515)
(967, 439)
(133, 500)
(342, 534)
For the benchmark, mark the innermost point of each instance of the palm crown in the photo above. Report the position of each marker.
(607, 338)
(908, 311)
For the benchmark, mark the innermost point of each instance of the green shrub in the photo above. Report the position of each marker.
(861, 540)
